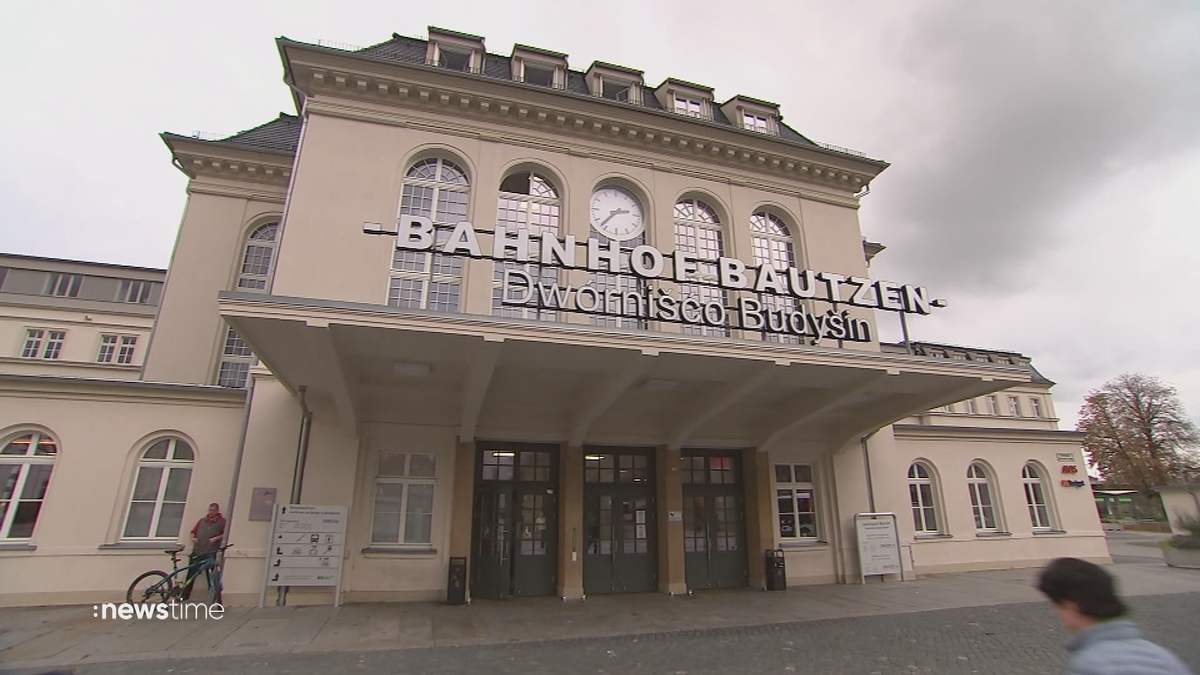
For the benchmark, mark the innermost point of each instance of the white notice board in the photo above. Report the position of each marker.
(306, 547)
(878, 544)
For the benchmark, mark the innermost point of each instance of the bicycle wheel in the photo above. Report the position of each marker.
(151, 587)
(214, 585)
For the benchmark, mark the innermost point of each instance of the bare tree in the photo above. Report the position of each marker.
(1138, 433)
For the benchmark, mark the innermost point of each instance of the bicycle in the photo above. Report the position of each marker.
(158, 586)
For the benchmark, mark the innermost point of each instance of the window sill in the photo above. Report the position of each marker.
(141, 546)
(1045, 533)
(17, 546)
(815, 543)
(932, 537)
(992, 535)
(399, 551)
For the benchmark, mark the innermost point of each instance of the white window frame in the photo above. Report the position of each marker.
(166, 466)
(134, 291)
(972, 407)
(758, 122)
(993, 405)
(64, 285)
(922, 503)
(116, 349)
(454, 49)
(406, 480)
(1035, 407)
(772, 243)
(701, 106)
(981, 485)
(236, 360)
(688, 230)
(434, 273)
(1041, 513)
(793, 490)
(1014, 406)
(23, 463)
(948, 408)
(251, 281)
(555, 77)
(45, 344)
(547, 206)
(629, 85)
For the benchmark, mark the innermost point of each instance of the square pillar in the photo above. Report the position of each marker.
(760, 517)
(463, 501)
(672, 574)
(570, 522)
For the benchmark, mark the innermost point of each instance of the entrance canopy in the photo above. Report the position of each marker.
(512, 379)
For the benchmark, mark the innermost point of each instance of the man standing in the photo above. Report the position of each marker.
(1104, 643)
(206, 540)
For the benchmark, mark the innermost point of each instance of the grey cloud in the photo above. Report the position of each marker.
(1008, 118)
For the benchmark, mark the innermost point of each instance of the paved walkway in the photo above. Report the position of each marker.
(43, 637)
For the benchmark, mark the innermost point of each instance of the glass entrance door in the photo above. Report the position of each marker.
(714, 532)
(620, 552)
(515, 519)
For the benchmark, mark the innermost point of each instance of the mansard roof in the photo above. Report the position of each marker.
(941, 350)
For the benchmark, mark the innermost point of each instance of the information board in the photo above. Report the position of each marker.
(878, 544)
(306, 547)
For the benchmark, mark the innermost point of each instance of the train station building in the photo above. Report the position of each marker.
(589, 333)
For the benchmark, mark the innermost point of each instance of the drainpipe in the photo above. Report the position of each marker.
(298, 475)
(237, 462)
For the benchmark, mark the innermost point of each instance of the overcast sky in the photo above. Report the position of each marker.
(1045, 156)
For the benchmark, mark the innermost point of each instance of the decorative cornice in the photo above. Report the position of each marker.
(1015, 435)
(124, 391)
(213, 159)
(319, 72)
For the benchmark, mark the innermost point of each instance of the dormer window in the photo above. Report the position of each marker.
(689, 106)
(454, 60)
(542, 76)
(755, 122)
(615, 91)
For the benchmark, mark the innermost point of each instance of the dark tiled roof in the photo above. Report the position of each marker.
(282, 133)
(993, 355)
(498, 66)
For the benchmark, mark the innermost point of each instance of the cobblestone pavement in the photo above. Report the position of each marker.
(1006, 639)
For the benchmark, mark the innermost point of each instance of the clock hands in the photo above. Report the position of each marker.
(612, 214)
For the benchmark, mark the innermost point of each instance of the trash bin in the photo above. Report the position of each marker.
(776, 570)
(456, 583)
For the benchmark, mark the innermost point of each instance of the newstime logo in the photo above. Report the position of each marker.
(168, 611)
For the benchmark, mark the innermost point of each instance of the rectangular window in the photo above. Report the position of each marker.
(615, 91)
(796, 500)
(948, 408)
(404, 485)
(64, 285)
(993, 406)
(1014, 406)
(972, 409)
(756, 123)
(133, 290)
(1035, 407)
(108, 349)
(128, 345)
(689, 107)
(542, 76)
(236, 359)
(452, 60)
(44, 344)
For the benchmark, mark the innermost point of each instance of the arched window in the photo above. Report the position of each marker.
(258, 259)
(528, 201)
(1035, 497)
(979, 484)
(772, 244)
(160, 490)
(698, 233)
(26, 463)
(921, 492)
(439, 190)
(258, 263)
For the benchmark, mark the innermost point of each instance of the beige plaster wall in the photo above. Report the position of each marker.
(101, 432)
(1178, 501)
(82, 344)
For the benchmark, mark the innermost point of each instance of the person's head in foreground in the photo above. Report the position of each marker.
(1083, 593)
(1085, 597)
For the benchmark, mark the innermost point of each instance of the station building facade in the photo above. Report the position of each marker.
(588, 334)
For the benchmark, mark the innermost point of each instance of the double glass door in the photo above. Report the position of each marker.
(619, 525)
(714, 532)
(515, 520)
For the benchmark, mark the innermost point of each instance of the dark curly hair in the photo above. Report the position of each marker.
(1083, 583)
